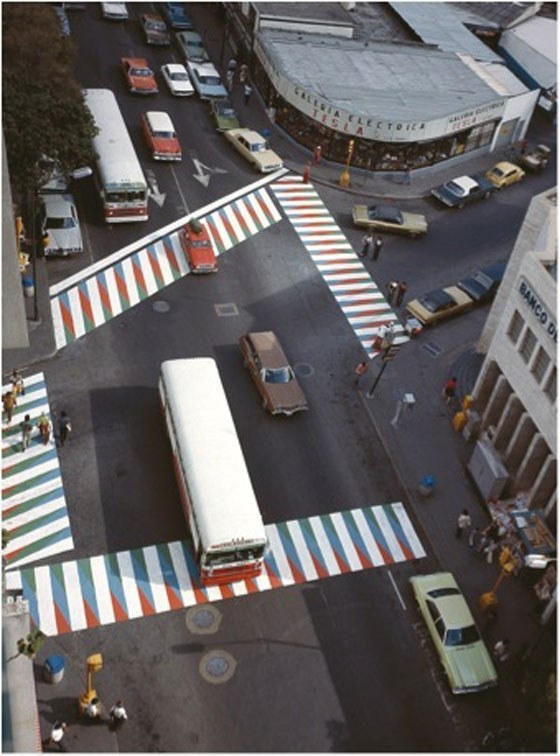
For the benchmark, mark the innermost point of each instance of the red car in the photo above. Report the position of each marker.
(139, 76)
(197, 246)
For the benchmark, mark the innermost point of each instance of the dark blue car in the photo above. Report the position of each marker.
(483, 285)
(176, 16)
(463, 189)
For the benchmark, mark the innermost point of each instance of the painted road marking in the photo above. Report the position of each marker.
(127, 585)
(34, 509)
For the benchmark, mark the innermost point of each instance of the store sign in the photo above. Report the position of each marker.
(475, 116)
(532, 301)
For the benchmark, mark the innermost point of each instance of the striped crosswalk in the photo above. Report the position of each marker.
(363, 304)
(33, 505)
(148, 267)
(76, 595)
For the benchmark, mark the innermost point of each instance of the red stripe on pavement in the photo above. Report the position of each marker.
(91, 619)
(67, 318)
(104, 296)
(118, 611)
(62, 625)
(86, 307)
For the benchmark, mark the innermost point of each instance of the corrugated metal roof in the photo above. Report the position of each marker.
(540, 34)
(404, 82)
(502, 14)
(443, 25)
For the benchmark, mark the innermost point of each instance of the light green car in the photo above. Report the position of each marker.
(389, 218)
(465, 658)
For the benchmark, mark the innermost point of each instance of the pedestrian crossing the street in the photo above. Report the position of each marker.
(363, 304)
(34, 509)
(103, 293)
(100, 590)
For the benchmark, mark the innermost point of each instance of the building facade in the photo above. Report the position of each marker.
(515, 393)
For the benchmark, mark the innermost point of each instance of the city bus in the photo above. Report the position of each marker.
(119, 177)
(224, 519)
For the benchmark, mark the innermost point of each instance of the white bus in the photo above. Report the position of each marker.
(119, 176)
(220, 505)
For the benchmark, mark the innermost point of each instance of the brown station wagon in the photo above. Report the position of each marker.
(272, 373)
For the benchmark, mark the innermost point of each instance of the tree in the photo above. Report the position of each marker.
(44, 113)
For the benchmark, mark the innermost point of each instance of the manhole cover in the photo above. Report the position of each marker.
(203, 620)
(217, 667)
(226, 310)
(303, 370)
(160, 306)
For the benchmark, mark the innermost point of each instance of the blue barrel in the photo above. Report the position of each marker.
(427, 485)
(28, 287)
(54, 668)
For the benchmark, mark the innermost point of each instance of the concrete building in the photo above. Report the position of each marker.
(515, 393)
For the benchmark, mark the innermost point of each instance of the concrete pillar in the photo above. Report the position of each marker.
(532, 463)
(485, 385)
(544, 485)
(508, 422)
(496, 403)
(519, 442)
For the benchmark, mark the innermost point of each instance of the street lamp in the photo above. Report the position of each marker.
(489, 600)
(344, 179)
(94, 664)
(538, 561)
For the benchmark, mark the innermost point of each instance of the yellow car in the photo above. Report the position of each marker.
(439, 304)
(504, 174)
(389, 218)
(255, 149)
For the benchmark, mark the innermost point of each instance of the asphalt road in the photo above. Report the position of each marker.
(341, 664)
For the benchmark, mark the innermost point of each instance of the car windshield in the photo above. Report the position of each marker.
(140, 72)
(462, 636)
(212, 81)
(57, 223)
(164, 134)
(226, 110)
(259, 147)
(200, 243)
(179, 76)
(440, 592)
(277, 375)
(455, 188)
(157, 26)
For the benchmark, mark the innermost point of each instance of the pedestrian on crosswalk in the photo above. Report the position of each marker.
(9, 401)
(117, 714)
(26, 429)
(44, 425)
(17, 382)
(64, 427)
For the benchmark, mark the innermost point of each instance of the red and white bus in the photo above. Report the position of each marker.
(220, 505)
(119, 176)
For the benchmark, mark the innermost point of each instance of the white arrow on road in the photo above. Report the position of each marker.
(203, 172)
(153, 190)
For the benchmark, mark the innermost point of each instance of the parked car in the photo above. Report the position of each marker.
(177, 79)
(223, 114)
(439, 304)
(160, 135)
(504, 174)
(139, 76)
(60, 226)
(177, 16)
(155, 30)
(206, 80)
(536, 159)
(191, 46)
(462, 190)
(272, 373)
(389, 218)
(114, 11)
(197, 246)
(255, 149)
(465, 659)
(483, 285)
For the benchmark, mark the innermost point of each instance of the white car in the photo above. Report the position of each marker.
(255, 149)
(177, 79)
(114, 11)
(60, 226)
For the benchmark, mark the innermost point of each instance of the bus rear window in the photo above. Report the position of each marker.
(120, 197)
(213, 559)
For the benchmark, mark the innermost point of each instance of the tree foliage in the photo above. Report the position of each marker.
(43, 110)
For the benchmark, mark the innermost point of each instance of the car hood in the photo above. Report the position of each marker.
(167, 146)
(470, 668)
(142, 82)
(268, 159)
(65, 238)
(157, 37)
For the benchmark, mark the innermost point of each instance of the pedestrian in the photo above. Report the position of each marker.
(44, 425)
(57, 733)
(117, 713)
(524, 146)
(449, 389)
(367, 245)
(401, 291)
(392, 288)
(377, 247)
(243, 72)
(26, 429)
(229, 79)
(501, 650)
(17, 382)
(232, 65)
(93, 710)
(463, 522)
(317, 155)
(247, 92)
(361, 369)
(307, 173)
(476, 539)
(9, 401)
(64, 427)
(46, 239)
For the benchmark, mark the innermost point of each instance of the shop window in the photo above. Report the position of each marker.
(528, 344)
(540, 365)
(515, 327)
(550, 386)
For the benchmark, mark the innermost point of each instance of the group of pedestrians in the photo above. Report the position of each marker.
(243, 78)
(371, 247)
(483, 541)
(93, 713)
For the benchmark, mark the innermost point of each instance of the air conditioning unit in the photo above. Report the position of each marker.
(487, 470)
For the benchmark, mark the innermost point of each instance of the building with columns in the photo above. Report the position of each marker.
(515, 394)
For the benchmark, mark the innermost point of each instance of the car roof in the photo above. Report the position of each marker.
(386, 212)
(504, 166)
(57, 203)
(267, 345)
(205, 68)
(249, 135)
(189, 34)
(159, 120)
(495, 271)
(175, 67)
(437, 296)
(465, 182)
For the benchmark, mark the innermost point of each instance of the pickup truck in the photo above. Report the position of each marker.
(463, 189)
(536, 159)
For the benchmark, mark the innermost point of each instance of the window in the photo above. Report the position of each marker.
(550, 386)
(528, 344)
(515, 327)
(540, 365)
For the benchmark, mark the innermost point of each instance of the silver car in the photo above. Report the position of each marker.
(60, 226)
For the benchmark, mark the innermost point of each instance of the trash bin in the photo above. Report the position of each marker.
(28, 287)
(54, 668)
(427, 485)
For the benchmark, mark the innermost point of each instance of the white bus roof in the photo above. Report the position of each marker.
(225, 506)
(116, 158)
